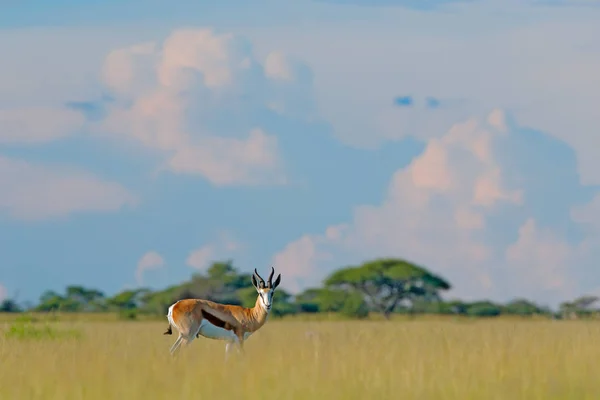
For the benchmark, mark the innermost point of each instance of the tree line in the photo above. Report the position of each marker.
(386, 286)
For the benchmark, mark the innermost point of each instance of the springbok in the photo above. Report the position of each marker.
(234, 324)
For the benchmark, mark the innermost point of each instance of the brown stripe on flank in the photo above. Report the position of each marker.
(216, 321)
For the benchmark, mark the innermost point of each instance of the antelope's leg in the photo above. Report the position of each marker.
(228, 349)
(176, 344)
(186, 336)
(193, 333)
(240, 342)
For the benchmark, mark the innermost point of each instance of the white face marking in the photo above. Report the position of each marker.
(211, 331)
(266, 298)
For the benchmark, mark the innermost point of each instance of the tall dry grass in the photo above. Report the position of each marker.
(339, 360)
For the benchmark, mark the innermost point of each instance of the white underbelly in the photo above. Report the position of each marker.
(211, 331)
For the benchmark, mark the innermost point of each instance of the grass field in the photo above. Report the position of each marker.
(419, 359)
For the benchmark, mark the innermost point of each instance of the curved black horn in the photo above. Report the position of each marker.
(270, 280)
(262, 281)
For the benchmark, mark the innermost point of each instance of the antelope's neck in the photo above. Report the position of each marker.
(259, 313)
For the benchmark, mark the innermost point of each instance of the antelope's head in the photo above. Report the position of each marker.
(266, 290)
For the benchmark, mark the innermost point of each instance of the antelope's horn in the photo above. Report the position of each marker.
(270, 280)
(258, 276)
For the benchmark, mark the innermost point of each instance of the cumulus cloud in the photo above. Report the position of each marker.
(298, 261)
(545, 71)
(129, 70)
(225, 161)
(461, 209)
(200, 99)
(38, 125)
(540, 256)
(224, 246)
(149, 261)
(200, 258)
(30, 191)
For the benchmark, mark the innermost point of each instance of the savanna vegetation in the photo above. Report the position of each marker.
(381, 330)
(417, 359)
(386, 287)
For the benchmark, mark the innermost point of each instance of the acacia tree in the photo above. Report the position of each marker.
(347, 303)
(221, 283)
(385, 282)
(581, 306)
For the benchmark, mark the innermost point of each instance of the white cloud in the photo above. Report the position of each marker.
(224, 246)
(227, 161)
(278, 66)
(541, 64)
(455, 209)
(199, 98)
(31, 191)
(298, 262)
(200, 258)
(149, 261)
(129, 70)
(540, 260)
(221, 59)
(38, 125)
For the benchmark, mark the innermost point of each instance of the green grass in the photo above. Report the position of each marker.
(29, 327)
(417, 359)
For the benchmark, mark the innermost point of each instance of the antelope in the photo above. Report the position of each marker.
(233, 324)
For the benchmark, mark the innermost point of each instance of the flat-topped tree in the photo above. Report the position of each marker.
(385, 282)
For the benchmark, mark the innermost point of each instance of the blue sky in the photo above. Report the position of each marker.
(138, 142)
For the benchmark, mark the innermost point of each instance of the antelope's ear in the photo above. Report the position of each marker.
(254, 282)
(277, 282)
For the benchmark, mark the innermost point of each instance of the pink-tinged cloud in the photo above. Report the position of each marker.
(38, 125)
(437, 213)
(128, 71)
(200, 258)
(227, 161)
(298, 262)
(31, 191)
(222, 247)
(169, 94)
(540, 260)
(219, 58)
(149, 261)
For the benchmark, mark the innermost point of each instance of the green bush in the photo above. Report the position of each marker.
(25, 327)
(355, 307)
(484, 309)
(129, 314)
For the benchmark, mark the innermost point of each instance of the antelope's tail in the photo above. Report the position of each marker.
(169, 330)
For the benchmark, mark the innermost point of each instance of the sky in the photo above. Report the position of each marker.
(141, 141)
